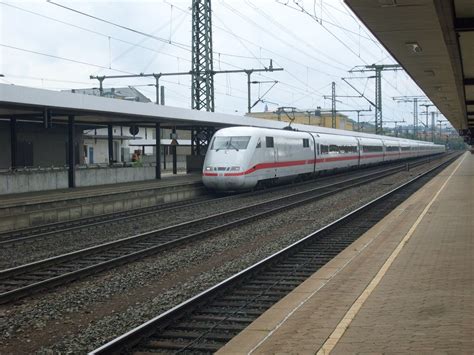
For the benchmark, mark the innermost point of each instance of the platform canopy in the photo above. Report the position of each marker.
(24, 103)
(434, 41)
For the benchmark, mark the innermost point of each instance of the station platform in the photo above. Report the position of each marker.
(167, 179)
(31, 209)
(405, 286)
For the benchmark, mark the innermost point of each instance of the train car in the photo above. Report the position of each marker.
(240, 158)
(391, 149)
(336, 152)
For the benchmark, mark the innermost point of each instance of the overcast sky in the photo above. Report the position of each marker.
(246, 34)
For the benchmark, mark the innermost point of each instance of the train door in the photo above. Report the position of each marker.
(271, 155)
(384, 150)
(316, 151)
(359, 149)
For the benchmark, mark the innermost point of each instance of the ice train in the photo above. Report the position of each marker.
(240, 158)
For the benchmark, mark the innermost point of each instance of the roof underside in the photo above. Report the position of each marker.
(444, 31)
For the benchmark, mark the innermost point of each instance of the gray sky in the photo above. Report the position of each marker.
(246, 34)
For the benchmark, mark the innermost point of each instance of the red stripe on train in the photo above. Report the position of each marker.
(299, 162)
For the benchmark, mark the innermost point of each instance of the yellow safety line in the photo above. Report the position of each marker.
(337, 334)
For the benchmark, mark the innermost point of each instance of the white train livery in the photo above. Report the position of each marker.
(239, 158)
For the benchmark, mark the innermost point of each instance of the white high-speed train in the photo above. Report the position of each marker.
(240, 158)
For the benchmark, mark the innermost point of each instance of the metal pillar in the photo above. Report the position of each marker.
(202, 86)
(175, 160)
(426, 126)
(164, 158)
(333, 105)
(358, 121)
(249, 103)
(201, 137)
(377, 68)
(433, 126)
(415, 118)
(71, 174)
(110, 139)
(13, 143)
(162, 94)
(101, 87)
(157, 87)
(378, 101)
(157, 151)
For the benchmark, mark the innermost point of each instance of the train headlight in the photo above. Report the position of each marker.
(208, 168)
(235, 168)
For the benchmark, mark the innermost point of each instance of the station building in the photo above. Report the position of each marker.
(312, 117)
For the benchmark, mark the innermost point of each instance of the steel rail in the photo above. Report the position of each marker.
(207, 321)
(27, 279)
(46, 230)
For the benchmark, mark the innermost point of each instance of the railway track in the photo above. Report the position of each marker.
(28, 234)
(30, 278)
(206, 322)
(48, 230)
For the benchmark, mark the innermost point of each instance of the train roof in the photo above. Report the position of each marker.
(320, 131)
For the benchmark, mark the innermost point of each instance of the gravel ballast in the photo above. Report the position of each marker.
(61, 243)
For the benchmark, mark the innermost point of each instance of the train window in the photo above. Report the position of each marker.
(324, 149)
(236, 143)
(334, 148)
(269, 142)
(305, 143)
(317, 149)
(371, 148)
(259, 144)
(348, 149)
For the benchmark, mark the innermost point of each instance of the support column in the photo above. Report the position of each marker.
(333, 105)
(193, 150)
(71, 156)
(157, 151)
(164, 158)
(162, 94)
(13, 143)
(175, 160)
(249, 103)
(110, 139)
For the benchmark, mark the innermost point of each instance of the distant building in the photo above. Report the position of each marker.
(128, 93)
(308, 117)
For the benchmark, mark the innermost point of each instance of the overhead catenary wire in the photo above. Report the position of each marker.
(295, 77)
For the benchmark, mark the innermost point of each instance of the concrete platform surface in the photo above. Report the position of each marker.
(405, 286)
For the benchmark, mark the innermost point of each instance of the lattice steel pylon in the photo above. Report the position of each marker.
(202, 86)
(378, 69)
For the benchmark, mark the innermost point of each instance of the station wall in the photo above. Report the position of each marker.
(37, 146)
(4, 145)
(56, 178)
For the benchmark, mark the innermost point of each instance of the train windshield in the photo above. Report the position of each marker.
(236, 143)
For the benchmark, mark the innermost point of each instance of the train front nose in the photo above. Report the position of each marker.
(223, 178)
